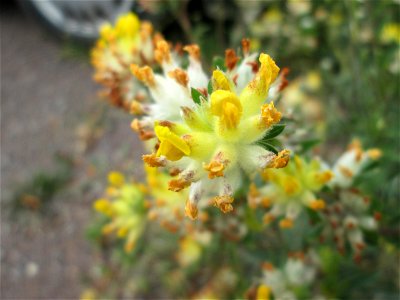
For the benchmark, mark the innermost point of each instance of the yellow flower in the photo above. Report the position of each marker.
(171, 145)
(227, 107)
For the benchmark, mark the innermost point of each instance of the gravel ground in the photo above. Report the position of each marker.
(49, 106)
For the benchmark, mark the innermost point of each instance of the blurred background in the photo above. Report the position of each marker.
(58, 140)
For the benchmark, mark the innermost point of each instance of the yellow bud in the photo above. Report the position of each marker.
(266, 75)
(127, 25)
(268, 67)
(219, 81)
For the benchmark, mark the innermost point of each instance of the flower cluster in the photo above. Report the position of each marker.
(347, 219)
(210, 130)
(129, 41)
(124, 206)
(289, 190)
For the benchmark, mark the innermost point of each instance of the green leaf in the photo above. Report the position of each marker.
(219, 62)
(196, 95)
(274, 131)
(267, 146)
(267, 141)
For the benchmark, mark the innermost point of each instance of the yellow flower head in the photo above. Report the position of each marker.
(128, 42)
(124, 208)
(294, 187)
(211, 129)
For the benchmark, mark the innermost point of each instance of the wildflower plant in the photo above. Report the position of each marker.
(211, 139)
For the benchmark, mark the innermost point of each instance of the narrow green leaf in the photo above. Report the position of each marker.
(196, 95)
(274, 131)
(267, 141)
(267, 146)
